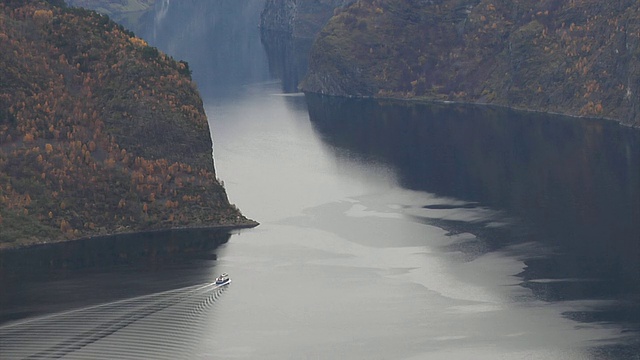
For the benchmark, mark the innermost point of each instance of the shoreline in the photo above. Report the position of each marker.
(249, 224)
(430, 101)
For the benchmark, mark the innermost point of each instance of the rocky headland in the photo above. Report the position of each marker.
(100, 133)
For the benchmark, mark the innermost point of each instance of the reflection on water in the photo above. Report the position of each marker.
(349, 264)
(574, 185)
(166, 325)
(56, 277)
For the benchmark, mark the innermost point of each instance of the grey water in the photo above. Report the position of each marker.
(388, 231)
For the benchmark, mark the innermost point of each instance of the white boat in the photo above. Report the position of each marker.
(223, 279)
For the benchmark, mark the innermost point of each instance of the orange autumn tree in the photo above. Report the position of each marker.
(86, 113)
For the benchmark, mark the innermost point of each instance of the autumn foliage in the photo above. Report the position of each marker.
(99, 132)
(578, 57)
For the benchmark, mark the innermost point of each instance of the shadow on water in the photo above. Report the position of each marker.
(573, 184)
(56, 277)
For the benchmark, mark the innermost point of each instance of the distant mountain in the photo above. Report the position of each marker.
(572, 57)
(125, 12)
(298, 18)
(288, 28)
(100, 133)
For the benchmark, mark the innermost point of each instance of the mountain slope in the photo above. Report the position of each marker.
(99, 132)
(300, 19)
(578, 57)
(125, 12)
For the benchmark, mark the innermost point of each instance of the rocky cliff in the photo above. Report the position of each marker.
(298, 18)
(100, 133)
(279, 16)
(578, 57)
(288, 28)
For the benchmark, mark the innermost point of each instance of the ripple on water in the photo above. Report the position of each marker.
(158, 326)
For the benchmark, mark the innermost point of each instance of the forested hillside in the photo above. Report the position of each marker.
(125, 12)
(577, 57)
(99, 132)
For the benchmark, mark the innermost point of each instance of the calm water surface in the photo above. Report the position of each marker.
(388, 231)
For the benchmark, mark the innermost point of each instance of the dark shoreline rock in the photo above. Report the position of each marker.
(249, 224)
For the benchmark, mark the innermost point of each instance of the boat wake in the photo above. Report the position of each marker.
(158, 326)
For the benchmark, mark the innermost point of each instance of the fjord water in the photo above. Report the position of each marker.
(388, 230)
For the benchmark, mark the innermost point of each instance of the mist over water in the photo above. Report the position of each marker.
(388, 231)
(207, 35)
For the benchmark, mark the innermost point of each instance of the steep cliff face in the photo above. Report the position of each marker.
(298, 18)
(572, 57)
(288, 28)
(99, 132)
(278, 16)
